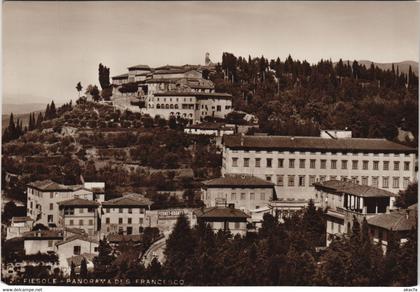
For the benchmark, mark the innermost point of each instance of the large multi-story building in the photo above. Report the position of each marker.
(43, 196)
(125, 215)
(294, 164)
(178, 91)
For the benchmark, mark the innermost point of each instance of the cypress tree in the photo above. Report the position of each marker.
(83, 268)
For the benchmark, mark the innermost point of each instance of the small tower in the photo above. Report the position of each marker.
(207, 60)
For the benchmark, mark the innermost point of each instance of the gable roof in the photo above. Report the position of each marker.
(19, 219)
(140, 67)
(77, 237)
(238, 181)
(51, 186)
(396, 221)
(348, 187)
(43, 235)
(78, 202)
(116, 238)
(220, 212)
(289, 143)
(199, 95)
(126, 202)
(121, 76)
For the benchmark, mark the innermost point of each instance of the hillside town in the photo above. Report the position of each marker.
(249, 184)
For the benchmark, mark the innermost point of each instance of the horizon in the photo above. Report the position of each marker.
(78, 36)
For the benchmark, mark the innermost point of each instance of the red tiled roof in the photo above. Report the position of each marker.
(51, 186)
(396, 221)
(238, 181)
(78, 202)
(354, 189)
(141, 67)
(197, 94)
(127, 202)
(122, 76)
(43, 235)
(220, 212)
(289, 143)
(76, 237)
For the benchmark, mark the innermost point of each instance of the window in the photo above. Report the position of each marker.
(130, 211)
(242, 196)
(51, 195)
(107, 220)
(81, 210)
(291, 163)
(107, 210)
(332, 226)
(129, 230)
(406, 182)
(76, 250)
(395, 182)
(233, 196)
(386, 165)
(50, 218)
(375, 181)
(269, 162)
(339, 227)
(291, 181)
(128, 220)
(141, 221)
(322, 178)
(90, 221)
(246, 162)
(71, 223)
(354, 179)
(365, 165)
(120, 210)
(91, 210)
(268, 177)
(50, 243)
(301, 180)
(406, 165)
(120, 220)
(252, 196)
(375, 165)
(81, 222)
(385, 182)
(343, 164)
(311, 180)
(323, 164)
(396, 165)
(237, 225)
(257, 162)
(365, 180)
(354, 164)
(312, 163)
(301, 163)
(333, 177)
(262, 197)
(234, 162)
(51, 206)
(333, 164)
(280, 180)
(280, 162)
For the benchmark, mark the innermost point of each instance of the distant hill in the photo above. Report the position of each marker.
(23, 117)
(22, 108)
(403, 66)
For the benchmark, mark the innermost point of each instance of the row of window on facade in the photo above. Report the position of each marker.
(176, 99)
(70, 211)
(242, 196)
(121, 221)
(81, 222)
(322, 163)
(124, 210)
(355, 179)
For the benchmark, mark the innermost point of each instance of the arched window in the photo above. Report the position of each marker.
(167, 106)
(157, 106)
(176, 106)
(171, 106)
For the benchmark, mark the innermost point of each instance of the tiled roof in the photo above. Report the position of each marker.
(354, 189)
(122, 76)
(21, 219)
(141, 67)
(220, 212)
(78, 202)
(51, 186)
(76, 237)
(396, 221)
(197, 94)
(127, 202)
(75, 230)
(43, 235)
(289, 143)
(238, 181)
(115, 237)
(210, 126)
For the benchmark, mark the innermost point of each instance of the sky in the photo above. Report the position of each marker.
(50, 46)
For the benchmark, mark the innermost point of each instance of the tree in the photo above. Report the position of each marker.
(102, 262)
(10, 210)
(79, 87)
(72, 271)
(83, 268)
(103, 76)
(408, 197)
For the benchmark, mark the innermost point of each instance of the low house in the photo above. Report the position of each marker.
(224, 218)
(398, 222)
(41, 241)
(244, 191)
(75, 245)
(344, 200)
(125, 215)
(79, 213)
(18, 226)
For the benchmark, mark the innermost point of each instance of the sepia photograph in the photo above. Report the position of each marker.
(219, 143)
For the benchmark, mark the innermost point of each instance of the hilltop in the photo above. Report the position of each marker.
(403, 66)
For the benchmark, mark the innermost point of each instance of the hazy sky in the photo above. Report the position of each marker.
(49, 46)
